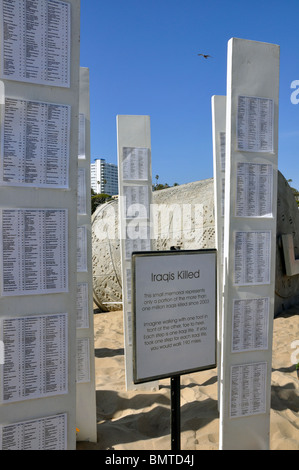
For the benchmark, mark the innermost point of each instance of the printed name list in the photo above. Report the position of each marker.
(34, 251)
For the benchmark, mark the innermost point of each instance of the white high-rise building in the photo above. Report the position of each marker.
(104, 177)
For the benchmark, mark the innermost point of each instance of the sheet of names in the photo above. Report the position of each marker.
(248, 389)
(135, 163)
(252, 257)
(36, 359)
(254, 190)
(34, 251)
(255, 124)
(49, 433)
(35, 144)
(250, 324)
(36, 41)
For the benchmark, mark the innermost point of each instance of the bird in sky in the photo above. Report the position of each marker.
(205, 55)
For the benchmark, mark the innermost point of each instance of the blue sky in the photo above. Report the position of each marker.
(142, 57)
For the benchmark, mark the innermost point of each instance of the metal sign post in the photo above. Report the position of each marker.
(175, 396)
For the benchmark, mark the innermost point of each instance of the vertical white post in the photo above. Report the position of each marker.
(249, 243)
(86, 398)
(135, 196)
(38, 188)
(219, 130)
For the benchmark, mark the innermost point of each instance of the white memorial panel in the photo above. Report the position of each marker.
(85, 372)
(249, 244)
(39, 72)
(219, 151)
(135, 195)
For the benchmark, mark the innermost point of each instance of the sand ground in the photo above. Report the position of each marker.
(140, 420)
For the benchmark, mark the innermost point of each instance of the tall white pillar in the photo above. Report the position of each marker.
(249, 243)
(219, 130)
(135, 197)
(38, 242)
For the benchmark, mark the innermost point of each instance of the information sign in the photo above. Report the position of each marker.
(174, 313)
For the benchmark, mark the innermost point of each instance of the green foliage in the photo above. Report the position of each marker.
(157, 186)
(98, 199)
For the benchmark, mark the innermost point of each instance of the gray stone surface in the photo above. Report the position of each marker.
(286, 287)
(184, 216)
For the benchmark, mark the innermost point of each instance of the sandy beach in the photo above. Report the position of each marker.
(140, 420)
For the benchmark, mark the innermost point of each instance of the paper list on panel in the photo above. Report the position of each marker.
(255, 124)
(138, 239)
(135, 163)
(254, 190)
(34, 251)
(136, 206)
(47, 433)
(248, 389)
(81, 249)
(35, 357)
(81, 193)
(136, 201)
(81, 137)
(35, 144)
(83, 360)
(250, 322)
(36, 41)
(222, 144)
(252, 257)
(82, 305)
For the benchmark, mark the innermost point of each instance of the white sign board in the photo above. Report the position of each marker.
(174, 313)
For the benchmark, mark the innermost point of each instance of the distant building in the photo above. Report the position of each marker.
(104, 177)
